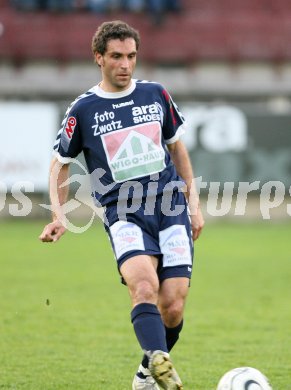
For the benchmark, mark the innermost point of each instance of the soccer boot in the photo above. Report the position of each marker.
(162, 370)
(144, 381)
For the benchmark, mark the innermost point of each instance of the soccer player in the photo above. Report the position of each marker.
(141, 174)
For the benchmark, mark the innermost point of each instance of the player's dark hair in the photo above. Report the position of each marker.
(113, 30)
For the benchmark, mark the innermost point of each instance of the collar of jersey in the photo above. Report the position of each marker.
(114, 95)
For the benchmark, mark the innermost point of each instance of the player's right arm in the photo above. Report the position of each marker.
(67, 146)
(59, 174)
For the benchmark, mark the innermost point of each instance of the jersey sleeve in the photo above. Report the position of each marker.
(174, 123)
(68, 141)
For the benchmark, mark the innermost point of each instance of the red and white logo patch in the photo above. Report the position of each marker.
(70, 126)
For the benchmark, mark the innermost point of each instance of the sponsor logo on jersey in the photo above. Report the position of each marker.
(134, 151)
(123, 104)
(147, 113)
(70, 126)
(105, 122)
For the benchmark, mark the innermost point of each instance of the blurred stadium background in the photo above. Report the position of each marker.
(227, 64)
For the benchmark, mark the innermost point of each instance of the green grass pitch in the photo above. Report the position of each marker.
(65, 323)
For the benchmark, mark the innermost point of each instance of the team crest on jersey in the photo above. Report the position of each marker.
(134, 151)
(70, 126)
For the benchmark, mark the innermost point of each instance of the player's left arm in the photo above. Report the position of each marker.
(180, 158)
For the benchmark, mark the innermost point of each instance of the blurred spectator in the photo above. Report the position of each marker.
(51, 5)
(114, 5)
(25, 5)
(174, 5)
(133, 5)
(97, 5)
(157, 8)
(58, 5)
(105, 5)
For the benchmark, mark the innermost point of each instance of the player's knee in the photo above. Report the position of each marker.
(145, 292)
(173, 312)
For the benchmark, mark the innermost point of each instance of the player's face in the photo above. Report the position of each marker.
(117, 64)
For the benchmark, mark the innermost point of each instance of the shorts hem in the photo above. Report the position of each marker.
(136, 253)
(175, 272)
(164, 277)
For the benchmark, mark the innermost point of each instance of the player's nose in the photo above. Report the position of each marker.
(125, 63)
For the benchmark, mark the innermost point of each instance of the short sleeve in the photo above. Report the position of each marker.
(174, 123)
(68, 141)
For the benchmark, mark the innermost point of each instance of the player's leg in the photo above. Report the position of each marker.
(140, 275)
(174, 271)
(136, 252)
(177, 246)
(171, 303)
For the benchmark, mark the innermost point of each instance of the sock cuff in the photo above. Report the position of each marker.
(176, 329)
(142, 308)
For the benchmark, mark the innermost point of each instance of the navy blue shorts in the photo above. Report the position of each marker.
(159, 227)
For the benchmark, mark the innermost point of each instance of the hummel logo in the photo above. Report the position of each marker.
(189, 269)
(123, 104)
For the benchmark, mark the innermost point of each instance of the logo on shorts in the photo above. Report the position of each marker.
(126, 236)
(127, 233)
(134, 151)
(174, 244)
(178, 249)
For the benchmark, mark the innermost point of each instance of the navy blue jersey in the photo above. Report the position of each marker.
(123, 136)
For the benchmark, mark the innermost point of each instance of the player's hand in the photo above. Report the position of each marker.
(52, 232)
(197, 223)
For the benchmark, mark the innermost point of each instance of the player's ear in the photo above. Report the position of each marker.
(99, 59)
